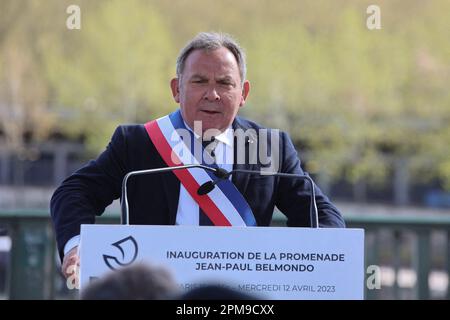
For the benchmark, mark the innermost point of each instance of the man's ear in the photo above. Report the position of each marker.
(174, 85)
(245, 91)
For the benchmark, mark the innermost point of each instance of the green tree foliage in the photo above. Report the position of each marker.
(358, 99)
(23, 88)
(354, 100)
(117, 71)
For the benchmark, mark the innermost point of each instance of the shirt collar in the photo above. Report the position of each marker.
(225, 137)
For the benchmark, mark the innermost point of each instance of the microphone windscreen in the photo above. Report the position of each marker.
(221, 173)
(205, 188)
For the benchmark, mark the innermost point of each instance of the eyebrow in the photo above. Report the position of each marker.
(198, 76)
(202, 77)
(225, 78)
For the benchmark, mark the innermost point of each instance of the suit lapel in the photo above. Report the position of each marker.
(241, 180)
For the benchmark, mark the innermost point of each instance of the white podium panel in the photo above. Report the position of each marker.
(268, 262)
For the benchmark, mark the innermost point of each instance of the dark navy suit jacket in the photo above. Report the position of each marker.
(153, 199)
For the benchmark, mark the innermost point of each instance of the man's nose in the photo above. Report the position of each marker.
(211, 94)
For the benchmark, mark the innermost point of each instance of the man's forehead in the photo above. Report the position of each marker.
(221, 58)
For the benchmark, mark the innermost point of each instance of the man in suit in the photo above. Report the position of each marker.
(210, 87)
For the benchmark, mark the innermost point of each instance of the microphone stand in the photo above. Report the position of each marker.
(313, 212)
(124, 218)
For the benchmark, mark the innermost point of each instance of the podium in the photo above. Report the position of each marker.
(266, 262)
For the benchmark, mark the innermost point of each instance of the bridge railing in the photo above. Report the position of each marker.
(417, 244)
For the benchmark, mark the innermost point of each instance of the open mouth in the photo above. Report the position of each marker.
(210, 112)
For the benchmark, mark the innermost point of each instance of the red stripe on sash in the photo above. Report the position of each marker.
(185, 177)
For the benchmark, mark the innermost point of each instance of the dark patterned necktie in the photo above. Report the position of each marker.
(210, 147)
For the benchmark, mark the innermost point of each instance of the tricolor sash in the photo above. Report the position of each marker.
(224, 205)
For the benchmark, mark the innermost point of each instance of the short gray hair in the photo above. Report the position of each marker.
(209, 41)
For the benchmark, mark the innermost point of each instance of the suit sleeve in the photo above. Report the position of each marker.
(293, 197)
(88, 191)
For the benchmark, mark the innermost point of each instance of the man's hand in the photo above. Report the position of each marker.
(71, 263)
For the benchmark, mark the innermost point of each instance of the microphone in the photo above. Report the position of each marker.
(125, 214)
(207, 187)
